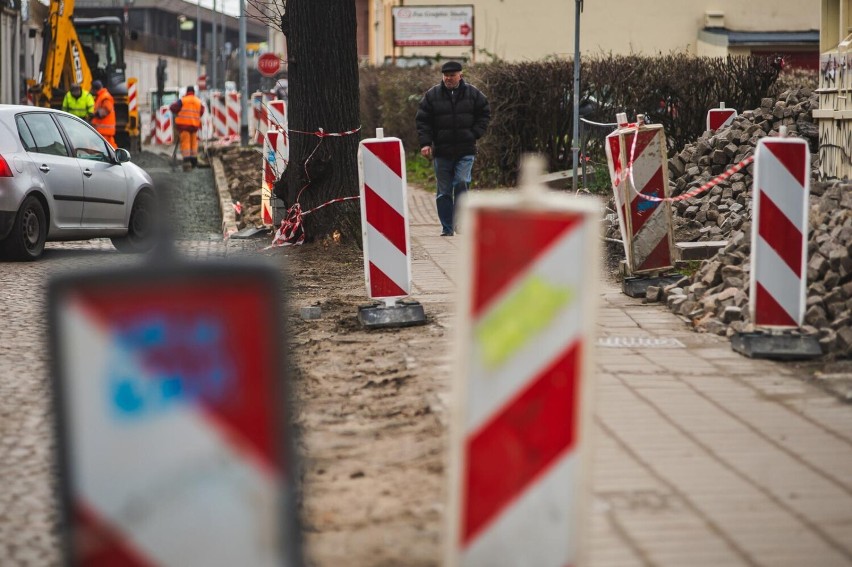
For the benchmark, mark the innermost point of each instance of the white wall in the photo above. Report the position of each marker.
(143, 66)
(518, 30)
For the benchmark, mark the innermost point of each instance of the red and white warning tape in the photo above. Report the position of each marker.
(321, 133)
(291, 231)
(698, 190)
(684, 196)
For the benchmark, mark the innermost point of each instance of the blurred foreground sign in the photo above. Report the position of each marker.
(170, 404)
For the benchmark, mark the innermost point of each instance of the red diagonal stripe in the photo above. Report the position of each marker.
(382, 286)
(389, 154)
(96, 544)
(780, 234)
(645, 139)
(521, 442)
(385, 219)
(792, 156)
(246, 413)
(641, 209)
(660, 257)
(718, 118)
(767, 311)
(615, 152)
(506, 243)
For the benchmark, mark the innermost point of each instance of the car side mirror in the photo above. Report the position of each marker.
(122, 155)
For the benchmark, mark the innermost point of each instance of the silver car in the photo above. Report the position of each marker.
(60, 180)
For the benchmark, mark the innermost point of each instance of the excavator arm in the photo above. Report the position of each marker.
(63, 61)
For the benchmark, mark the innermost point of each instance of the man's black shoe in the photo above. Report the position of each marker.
(445, 233)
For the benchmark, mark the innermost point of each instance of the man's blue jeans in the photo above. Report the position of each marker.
(453, 179)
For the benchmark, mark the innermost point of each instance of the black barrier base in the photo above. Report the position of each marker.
(637, 286)
(776, 346)
(403, 314)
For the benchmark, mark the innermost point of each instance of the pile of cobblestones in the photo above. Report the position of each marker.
(243, 168)
(715, 297)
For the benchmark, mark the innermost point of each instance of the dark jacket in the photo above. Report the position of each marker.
(452, 124)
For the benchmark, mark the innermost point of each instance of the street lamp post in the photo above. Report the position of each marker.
(575, 142)
(213, 60)
(243, 78)
(198, 38)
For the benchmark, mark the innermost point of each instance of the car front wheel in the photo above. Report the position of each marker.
(29, 232)
(140, 231)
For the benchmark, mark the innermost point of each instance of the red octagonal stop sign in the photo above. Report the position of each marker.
(268, 64)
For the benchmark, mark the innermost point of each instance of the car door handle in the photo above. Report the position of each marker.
(44, 168)
(87, 172)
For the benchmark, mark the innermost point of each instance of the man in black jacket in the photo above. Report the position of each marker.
(452, 116)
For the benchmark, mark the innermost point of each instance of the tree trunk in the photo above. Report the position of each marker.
(323, 82)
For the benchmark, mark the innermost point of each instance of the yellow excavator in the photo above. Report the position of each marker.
(81, 50)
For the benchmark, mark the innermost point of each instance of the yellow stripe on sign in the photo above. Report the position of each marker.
(520, 319)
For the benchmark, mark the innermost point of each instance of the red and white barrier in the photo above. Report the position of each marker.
(384, 218)
(780, 232)
(164, 134)
(206, 132)
(276, 111)
(526, 329)
(720, 117)
(233, 111)
(257, 119)
(220, 116)
(171, 416)
(274, 164)
(132, 95)
(636, 156)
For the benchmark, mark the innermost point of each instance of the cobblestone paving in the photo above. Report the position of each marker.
(27, 504)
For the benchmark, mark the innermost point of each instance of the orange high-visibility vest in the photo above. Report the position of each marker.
(105, 125)
(189, 117)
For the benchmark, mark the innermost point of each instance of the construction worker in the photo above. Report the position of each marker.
(188, 112)
(104, 114)
(79, 102)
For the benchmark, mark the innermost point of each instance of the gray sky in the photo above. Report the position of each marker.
(230, 7)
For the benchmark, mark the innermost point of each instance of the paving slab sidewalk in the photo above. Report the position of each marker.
(701, 456)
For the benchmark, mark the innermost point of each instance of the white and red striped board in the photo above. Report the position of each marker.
(276, 114)
(170, 395)
(274, 164)
(720, 117)
(779, 253)
(220, 115)
(642, 167)
(519, 463)
(257, 118)
(165, 132)
(233, 112)
(384, 218)
(206, 132)
(132, 95)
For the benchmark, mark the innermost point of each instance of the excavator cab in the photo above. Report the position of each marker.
(102, 40)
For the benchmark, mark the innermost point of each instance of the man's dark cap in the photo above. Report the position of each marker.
(97, 85)
(451, 67)
(190, 89)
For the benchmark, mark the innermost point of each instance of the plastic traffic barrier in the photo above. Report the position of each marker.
(522, 390)
(636, 155)
(720, 117)
(780, 232)
(384, 217)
